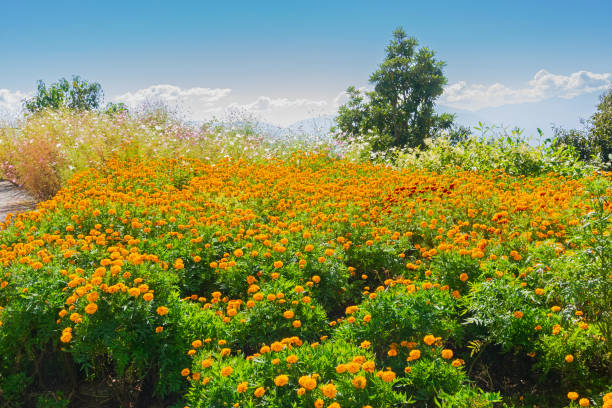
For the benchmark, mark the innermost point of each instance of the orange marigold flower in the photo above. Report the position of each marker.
(329, 390)
(226, 371)
(447, 354)
(572, 395)
(281, 380)
(91, 308)
(584, 402)
(388, 376)
(359, 382)
(259, 392)
(242, 387)
(162, 310)
(429, 339)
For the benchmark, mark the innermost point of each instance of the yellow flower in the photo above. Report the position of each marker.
(584, 402)
(162, 310)
(414, 355)
(359, 382)
(429, 339)
(307, 382)
(569, 358)
(242, 387)
(292, 359)
(388, 376)
(281, 380)
(91, 308)
(329, 390)
(365, 344)
(572, 395)
(259, 392)
(319, 403)
(447, 354)
(226, 371)
(288, 314)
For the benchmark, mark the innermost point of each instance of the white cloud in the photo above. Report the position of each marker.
(544, 85)
(11, 102)
(195, 102)
(283, 111)
(204, 103)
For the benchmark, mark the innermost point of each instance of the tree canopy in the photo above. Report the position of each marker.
(400, 110)
(76, 94)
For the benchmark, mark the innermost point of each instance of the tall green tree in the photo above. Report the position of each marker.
(77, 94)
(400, 110)
(595, 140)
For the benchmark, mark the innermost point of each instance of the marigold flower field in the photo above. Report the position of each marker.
(311, 282)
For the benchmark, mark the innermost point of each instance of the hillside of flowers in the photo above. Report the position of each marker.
(308, 281)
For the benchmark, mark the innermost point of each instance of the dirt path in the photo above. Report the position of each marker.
(13, 199)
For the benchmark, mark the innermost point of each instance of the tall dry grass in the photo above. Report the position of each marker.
(42, 151)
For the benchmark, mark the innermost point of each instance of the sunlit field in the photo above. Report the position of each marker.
(303, 278)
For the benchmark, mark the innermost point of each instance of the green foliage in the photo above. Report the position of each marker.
(400, 110)
(495, 150)
(402, 314)
(594, 142)
(77, 94)
(322, 359)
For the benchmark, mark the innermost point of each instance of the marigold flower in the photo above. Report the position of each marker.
(388, 376)
(91, 308)
(162, 310)
(259, 392)
(365, 344)
(572, 395)
(359, 382)
(242, 387)
(226, 371)
(569, 358)
(447, 354)
(329, 390)
(307, 382)
(429, 339)
(281, 380)
(288, 314)
(292, 359)
(584, 402)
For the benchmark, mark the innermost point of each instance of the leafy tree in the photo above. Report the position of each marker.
(113, 108)
(601, 127)
(400, 110)
(77, 94)
(595, 141)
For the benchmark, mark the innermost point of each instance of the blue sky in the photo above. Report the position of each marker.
(286, 61)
